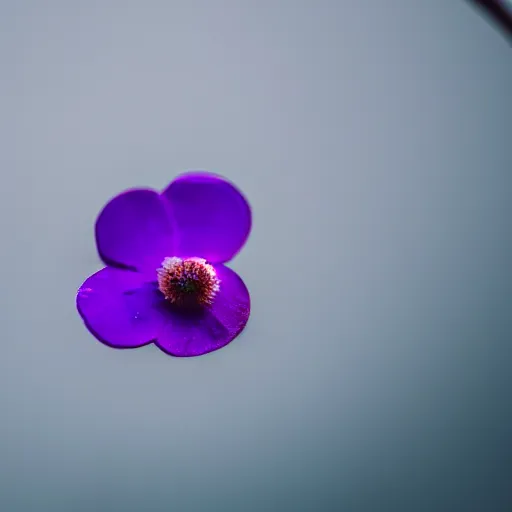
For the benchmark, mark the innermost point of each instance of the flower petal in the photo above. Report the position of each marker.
(134, 230)
(118, 307)
(198, 332)
(212, 217)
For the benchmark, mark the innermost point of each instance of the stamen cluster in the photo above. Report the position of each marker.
(191, 281)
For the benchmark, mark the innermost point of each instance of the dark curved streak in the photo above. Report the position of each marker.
(498, 12)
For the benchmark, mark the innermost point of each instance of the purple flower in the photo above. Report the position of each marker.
(165, 280)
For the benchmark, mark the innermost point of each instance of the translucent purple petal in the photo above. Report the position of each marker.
(198, 332)
(118, 307)
(212, 218)
(134, 230)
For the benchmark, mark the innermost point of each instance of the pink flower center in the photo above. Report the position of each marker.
(190, 281)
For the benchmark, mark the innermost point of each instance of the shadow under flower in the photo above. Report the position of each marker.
(499, 12)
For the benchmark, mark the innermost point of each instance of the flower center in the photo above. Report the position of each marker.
(190, 281)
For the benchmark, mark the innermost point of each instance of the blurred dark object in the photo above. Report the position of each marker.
(499, 12)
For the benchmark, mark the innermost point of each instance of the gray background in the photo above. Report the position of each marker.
(373, 141)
